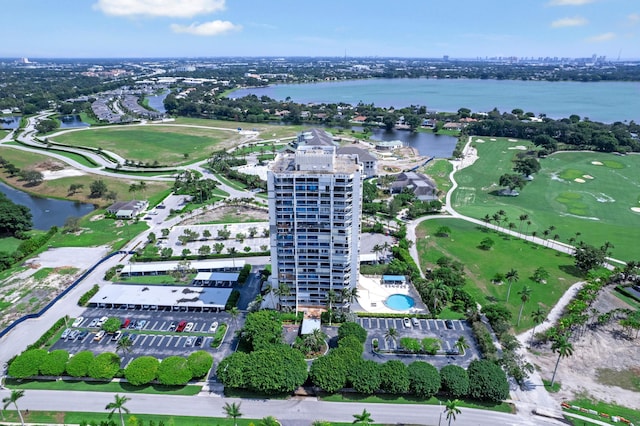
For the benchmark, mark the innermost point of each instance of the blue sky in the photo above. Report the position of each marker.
(406, 28)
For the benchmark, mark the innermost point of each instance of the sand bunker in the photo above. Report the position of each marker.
(597, 163)
(636, 209)
(519, 147)
(479, 141)
(57, 174)
(512, 140)
(587, 176)
(579, 180)
(492, 139)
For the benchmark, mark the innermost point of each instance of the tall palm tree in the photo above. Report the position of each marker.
(522, 218)
(525, 295)
(13, 399)
(437, 293)
(118, 405)
(451, 408)
(538, 316)
(125, 344)
(234, 312)
(283, 291)
(332, 297)
(364, 418)
(545, 234)
(377, 249)
(511, 277)
(232, 411)
(564, 348)
(269, 421)
(462, 344)
(321, 423)
(391, 334)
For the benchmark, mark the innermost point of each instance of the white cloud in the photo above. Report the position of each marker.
(569, 22)
(569, 2)
(634, 18)
(168, 8)
(602, 37)
(212, 28)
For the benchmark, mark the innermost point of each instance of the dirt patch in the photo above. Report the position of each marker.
(49, 165)
(230, 214)
(96, 217)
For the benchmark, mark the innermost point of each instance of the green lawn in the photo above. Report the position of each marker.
(599, 208)
(9, 244)
(90, 386)
(81, 159)
(602, 407)
(439, 170)
(267, 131)
(507, 253)
(157, 279)
(166, 144)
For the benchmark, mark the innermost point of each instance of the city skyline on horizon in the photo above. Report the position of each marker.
(143, 29)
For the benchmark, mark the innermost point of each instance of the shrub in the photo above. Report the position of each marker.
(54, 363)
(78, 365)
(279, 368)
(49, 333)
(454, 381)
(485, 341)
(142, 370)
(353, 343)
(200, 363)
(174, 370)
(27, 364)
(84, 299)
(431, 345)
(366, 377)
(112, 325)
(232, 302)
(104, 366)
(231, 370)
(352, 329)
(244, 274)
(329, 373)
(394, 377)
(487, 381)
(410, 344)
(424, 379)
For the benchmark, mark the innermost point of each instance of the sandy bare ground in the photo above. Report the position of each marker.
(217, 214)
(57, 174)
(602, 348)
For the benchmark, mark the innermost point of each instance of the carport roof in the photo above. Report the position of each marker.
(199, 265)
(217, 276)
(160, 295)
(368, 257)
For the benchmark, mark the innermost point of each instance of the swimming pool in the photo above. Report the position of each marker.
(400, 302)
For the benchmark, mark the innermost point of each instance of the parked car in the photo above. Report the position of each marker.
(181, 326)
(448, 324)
(213, 327)
(133, 324)
(189, 341)
(406, 322)
(126, 323)
(77, 322)
(65, 333)
(102, 321)
(82, 335)
(415, 322)
(140, 325)
(172, 326)
(73, 335)
(99, 335)
(198, 341)
(93, 323)
(116, 336)
(188, 327)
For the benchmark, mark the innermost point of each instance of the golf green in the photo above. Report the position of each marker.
(593, 194)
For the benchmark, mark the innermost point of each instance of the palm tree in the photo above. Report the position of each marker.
(321, 423)
(232, 411)
(462, 344)
(283, 291)
(511, 277)
(564, 348)
(234, 312)
(451, 408)
(538, 316)
(437, 292)
(13, 399)
(486, 219)
(522, 218)
(528, 225)
(545, 233)
(332, 297)
(377, 249)
(125, 345)
(364, 418)
(525, 295)
(391, 334)
(118, 405)
(269, 421)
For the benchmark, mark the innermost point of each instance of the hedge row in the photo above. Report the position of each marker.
(174, 370)
(49, 333)
(84, 299)
(484, 339)
(244, 274)
(232, 302)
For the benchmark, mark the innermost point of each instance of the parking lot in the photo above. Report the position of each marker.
(447, 334)
(154, 333)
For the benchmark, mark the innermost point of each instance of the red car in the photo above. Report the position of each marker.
(181, 326)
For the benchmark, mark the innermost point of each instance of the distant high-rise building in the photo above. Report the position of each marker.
(315, 203)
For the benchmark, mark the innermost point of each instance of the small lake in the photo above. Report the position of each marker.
(10, 122)
(157, 101)
(46, 212)
(427, 144)
(71, 121)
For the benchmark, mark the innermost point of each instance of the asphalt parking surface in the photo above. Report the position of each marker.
(377, 327)
(154, 338)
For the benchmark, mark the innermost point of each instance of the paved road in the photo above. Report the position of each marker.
(289, 412)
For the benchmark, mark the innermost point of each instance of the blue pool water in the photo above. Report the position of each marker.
(400, 302)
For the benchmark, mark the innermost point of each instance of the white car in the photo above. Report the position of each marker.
(188, 327)
(101, 321)
(406, 322)
(77, 322)
(65, 333)
(213, 327)
(189, 341)
(99, 335)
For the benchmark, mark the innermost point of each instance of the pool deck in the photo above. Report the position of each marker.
(372, 295)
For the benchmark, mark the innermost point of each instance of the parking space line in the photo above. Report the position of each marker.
(160, 341)
(378, 322)
(144, 338)
(153, 339)
(170, 339)
(177, 342)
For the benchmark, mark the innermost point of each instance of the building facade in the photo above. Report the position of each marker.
(315, 203)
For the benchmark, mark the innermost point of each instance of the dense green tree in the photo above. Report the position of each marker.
(98, 189)
(78, 364)
(588, 257)
(454, 381)
(279, 368)
(231, 370)
(14, 219)
(104, 366)
(487, 381)
(424, 379)
(512, 181)
(365, 377)
(112, 325)
(261, 330)
(142, 370)
(329, 373)
(352, 329)
(394, 377)
(526, 166)
(200, 362)
(27, 364)
(174, 370)
(54, 363)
